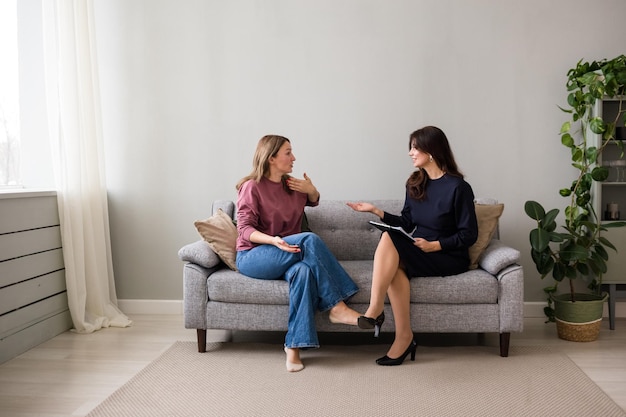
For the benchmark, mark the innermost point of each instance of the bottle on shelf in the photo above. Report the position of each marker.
(612, 211)
(620, 170)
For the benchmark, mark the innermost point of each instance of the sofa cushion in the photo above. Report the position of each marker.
(229, 286)
(498, 256)
(346, 232)
(472, 287)
(221, 235)
(487, 216)
(476, 286)
(350, 236)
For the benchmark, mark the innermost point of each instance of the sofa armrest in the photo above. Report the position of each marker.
(498, 256)
(511, 298)
(199, 253)
(195, 295)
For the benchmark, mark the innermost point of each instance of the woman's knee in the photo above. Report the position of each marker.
(385, 239)
(400, 282)
(299, 273)
(308, 242)
(311, 238)
(303, 239)
(265, 262)
(385, 244)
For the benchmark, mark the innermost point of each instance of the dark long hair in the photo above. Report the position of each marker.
(431, 140)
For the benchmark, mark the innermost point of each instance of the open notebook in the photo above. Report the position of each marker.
(392, 229)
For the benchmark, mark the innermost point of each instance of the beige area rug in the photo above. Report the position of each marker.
(249, 379)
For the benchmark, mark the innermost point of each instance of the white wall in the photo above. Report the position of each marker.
(189, 88)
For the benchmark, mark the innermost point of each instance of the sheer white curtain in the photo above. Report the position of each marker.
(73, 100)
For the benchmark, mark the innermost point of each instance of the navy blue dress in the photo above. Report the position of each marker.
(447, 215)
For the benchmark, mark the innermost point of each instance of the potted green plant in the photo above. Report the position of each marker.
(578, 250)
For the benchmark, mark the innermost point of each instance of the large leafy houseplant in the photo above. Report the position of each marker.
(579, 249)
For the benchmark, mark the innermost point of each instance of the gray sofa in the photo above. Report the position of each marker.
(488, 299)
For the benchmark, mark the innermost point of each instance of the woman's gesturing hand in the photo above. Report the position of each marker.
(281, 244)
(304, 186)
(360, 206)
(366, 207)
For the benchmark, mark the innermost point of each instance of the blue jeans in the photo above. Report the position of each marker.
(316, 282)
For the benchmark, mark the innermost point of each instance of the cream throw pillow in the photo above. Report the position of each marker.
(487, 216)
(220, 233)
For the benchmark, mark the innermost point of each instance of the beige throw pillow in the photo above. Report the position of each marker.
(220, 233)
(487, 216)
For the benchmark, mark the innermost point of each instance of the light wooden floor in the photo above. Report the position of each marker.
(72, 373)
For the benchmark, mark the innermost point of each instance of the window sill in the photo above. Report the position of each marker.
(25, 193)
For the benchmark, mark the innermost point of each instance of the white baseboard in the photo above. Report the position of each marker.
(175, 307)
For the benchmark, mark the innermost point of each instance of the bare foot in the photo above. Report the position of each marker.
(341, 313)
(294, 363)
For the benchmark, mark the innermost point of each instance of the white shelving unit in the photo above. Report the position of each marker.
(612, 191)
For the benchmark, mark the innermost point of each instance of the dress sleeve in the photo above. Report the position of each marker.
(403, 220)
(467, 225)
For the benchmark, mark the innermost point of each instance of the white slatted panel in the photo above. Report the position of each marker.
(29, 242)
(27, 292)
(30, 212)
(33, 298)
(26, 267)
(39, 332)
(32, 314)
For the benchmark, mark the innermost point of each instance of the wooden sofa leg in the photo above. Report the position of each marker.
(201, 333)
(505, 338)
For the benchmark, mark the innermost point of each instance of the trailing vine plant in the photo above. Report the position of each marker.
(579, 248)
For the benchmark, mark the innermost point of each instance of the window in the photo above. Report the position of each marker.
(9, 96)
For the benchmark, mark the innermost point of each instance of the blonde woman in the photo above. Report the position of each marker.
(271, 245)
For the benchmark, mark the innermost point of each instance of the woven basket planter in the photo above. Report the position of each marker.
(579, 321)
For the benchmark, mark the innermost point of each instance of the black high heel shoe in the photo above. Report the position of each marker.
(387, 361)
(370, 323)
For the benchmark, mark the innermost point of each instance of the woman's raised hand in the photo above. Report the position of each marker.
(366, 207)
(304, 186)
(360, 206)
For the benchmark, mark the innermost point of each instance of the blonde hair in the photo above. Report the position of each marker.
(268, 147)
